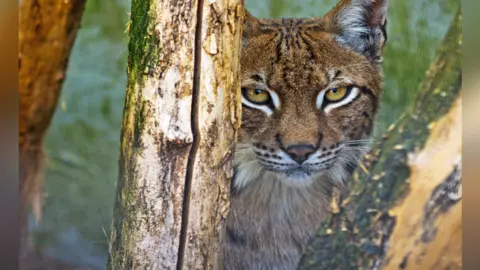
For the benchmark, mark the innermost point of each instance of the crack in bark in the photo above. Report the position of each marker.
(195, 135)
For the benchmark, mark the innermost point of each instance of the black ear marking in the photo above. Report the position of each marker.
(383, 27)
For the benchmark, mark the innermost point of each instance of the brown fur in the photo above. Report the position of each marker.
(274, 214)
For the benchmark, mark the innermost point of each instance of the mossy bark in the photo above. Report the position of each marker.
(181, 116)
(404, 206)
(47, 31)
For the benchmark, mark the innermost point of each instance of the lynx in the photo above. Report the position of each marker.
(310, 94)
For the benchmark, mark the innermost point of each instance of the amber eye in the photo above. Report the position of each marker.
(256, 96)
(336, 94)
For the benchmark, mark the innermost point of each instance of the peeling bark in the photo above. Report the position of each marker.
(47, 31)
(428, 227)
(404, 206)
(181, 116)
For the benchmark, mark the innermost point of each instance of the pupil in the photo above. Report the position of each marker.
(334, 90)
(257, 91)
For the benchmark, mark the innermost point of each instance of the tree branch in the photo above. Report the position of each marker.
(47, 31)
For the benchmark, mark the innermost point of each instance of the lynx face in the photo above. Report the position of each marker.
(310, 92)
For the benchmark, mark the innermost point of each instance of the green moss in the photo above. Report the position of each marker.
(143, 45)
(139, 121)
(144, 50)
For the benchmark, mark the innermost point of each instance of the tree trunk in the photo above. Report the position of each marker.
(47, 31)
(404, 208)
(181, 116)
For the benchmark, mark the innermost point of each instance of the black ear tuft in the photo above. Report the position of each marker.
(360, 25)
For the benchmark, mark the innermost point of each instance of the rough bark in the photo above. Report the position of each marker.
(404, 209)
(47, 31)
(181, 116)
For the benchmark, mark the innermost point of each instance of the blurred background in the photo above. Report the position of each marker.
(83, 140)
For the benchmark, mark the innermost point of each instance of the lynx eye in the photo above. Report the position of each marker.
(337, 94)
(256, 96)
(263, 100)
(337, 97)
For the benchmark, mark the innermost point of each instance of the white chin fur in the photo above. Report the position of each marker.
(249, 170)
(297, 179)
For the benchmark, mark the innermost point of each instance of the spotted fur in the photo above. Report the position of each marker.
(278, 202)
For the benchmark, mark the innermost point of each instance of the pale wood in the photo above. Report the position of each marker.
(430, 236)
(181, 117)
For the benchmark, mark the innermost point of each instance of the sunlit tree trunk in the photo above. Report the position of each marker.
(47, 31)
(404, 210)
(181, 116)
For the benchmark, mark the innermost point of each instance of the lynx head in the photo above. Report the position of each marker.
(310, 92)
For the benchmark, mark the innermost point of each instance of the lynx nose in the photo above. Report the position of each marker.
(300, 152)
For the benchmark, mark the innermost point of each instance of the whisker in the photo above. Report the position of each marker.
(350, 159)
(360, 150)
(244, 164)
(337, 174)
(360, 143)
(356, 147)
(364, 140)
(348, 162)
(105, 233)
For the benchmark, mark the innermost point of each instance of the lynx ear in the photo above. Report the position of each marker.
(360, 25)
(250, 28)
